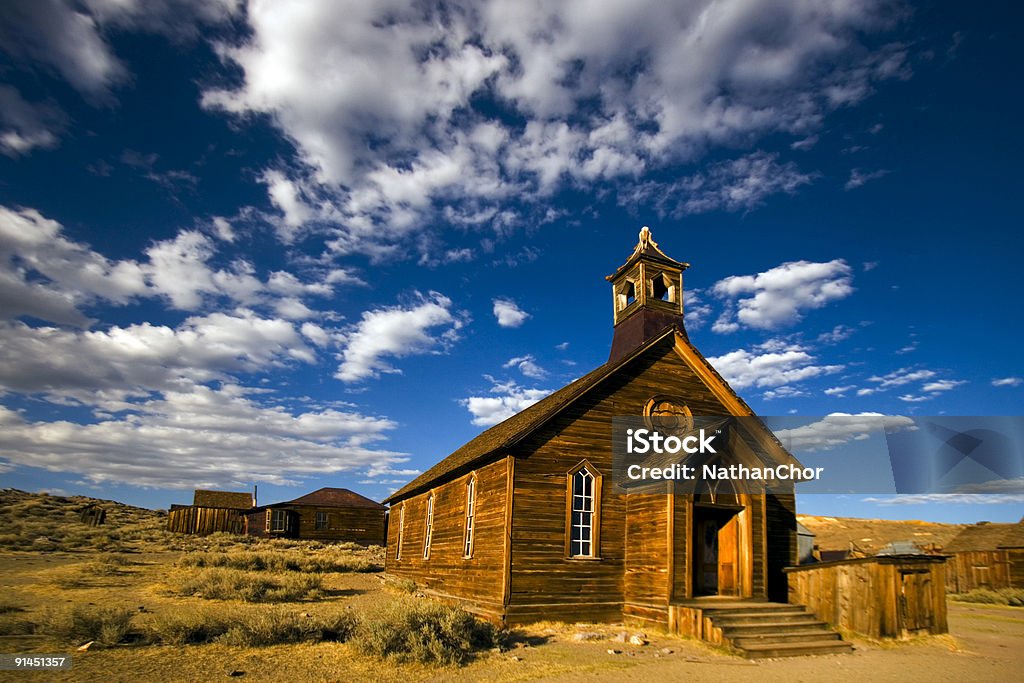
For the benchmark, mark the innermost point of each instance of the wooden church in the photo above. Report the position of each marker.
(523, 524)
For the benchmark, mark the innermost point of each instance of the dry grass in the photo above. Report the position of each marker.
(219, 583)
(82, 623)
(246, 627)
(424, 632)
(316, 561)
(1013, 597)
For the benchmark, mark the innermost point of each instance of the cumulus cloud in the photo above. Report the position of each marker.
(949, 499)
(771, 366)
(508, 313)
(943, 385)
(778, 297)
(25, 126)
(896, 378)
(425, 326)
(112, 364)
(50, 277)
(840, 391)
(196, 436)
(605, 93)
(507, 399)
(1007, 382)
(68, 37)
(527, 365)
(837, 429)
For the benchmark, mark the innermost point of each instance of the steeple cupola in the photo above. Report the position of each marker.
(647, 295)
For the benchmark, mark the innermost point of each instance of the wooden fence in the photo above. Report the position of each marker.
(880, 597)
(190, 519)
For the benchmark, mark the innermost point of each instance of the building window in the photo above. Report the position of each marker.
(401, 532)
(583, 501)
(321, 521)
(470, 516)
(278, 520)
(430, 526)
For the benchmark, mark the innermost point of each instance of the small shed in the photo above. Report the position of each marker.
(1013, 545)
(804, 545)
(327, 514)
(978, 557)
(211, 511)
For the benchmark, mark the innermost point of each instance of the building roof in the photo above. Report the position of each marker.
(648, 249)
(521, 425)
(981, 536)
(334, 498)
(1014, 538)
(238, 500)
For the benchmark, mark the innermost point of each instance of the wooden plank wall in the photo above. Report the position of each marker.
(202, 520)
(359, 525)
(545, 584)
(477, 581)
(967, 571)
(891, 597)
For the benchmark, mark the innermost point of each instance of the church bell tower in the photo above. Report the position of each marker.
(647, 296)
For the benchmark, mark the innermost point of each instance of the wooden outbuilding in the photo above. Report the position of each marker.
(327, 514)
(986, 555)
(210, 512)
(523, 523)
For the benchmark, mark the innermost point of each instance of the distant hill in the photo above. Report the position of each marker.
(39, 521)
(871, 535)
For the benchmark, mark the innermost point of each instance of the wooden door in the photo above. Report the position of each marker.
(916, 601)
(728, 557)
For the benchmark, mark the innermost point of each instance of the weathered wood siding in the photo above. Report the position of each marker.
(880, 597)
(477, 581)
(545, 584)
(189, 519)
(969, 570)
(354, 524)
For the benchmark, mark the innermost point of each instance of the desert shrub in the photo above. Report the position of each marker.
(403, 585)
(218, 583)
(424, 632)
(281, 561)
(11, 623)
(78, 623)
(272, 627)
(1014, 597)
(247, 628)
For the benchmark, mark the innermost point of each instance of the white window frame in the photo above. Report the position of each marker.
(278, 520)
(401, 532)
(467, 547)
(429, 527)
(583, 512)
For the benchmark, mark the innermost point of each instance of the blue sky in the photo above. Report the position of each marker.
(319, 244)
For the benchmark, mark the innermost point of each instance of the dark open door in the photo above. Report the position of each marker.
(715, 547)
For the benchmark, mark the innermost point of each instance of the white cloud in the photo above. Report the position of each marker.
(195, 436)
(526, 365)
(901, 377)
(858, 178)
(779, 296)
(837, 429)
(1007, 382)
(839, 392)
(508, 313)
(837, 334)
(396, 332)
(783, 392)
(695, 310)
(741, 184)
(25, 126)
(69, 36)
(509, 398)
(109, 365)
(943, 385)
(758, 368)
(662, 83)
(911, 398)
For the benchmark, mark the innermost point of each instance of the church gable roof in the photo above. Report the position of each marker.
(528, 421)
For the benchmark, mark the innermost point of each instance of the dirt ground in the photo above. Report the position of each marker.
(986, 643)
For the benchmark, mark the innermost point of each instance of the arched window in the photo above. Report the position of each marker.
(401, 531)
(583, 508)
(430, 526)
(470, 516)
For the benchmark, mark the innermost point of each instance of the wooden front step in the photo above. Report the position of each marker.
(759, 629)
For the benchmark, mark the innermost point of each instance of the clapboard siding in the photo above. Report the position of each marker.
(447, 572)
(541, 572)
